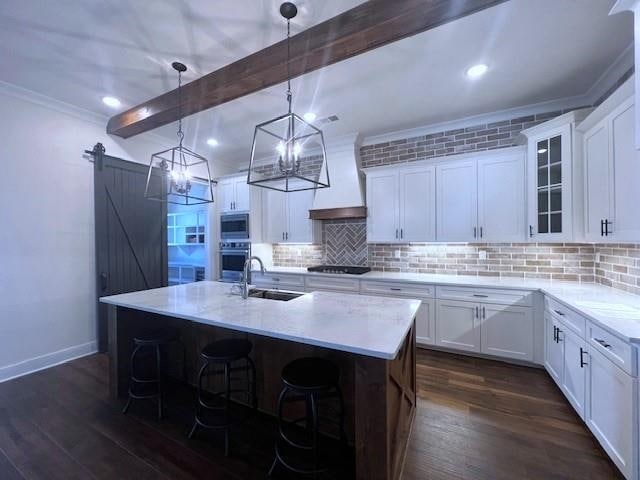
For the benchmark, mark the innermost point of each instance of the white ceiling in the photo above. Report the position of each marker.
(78, 52)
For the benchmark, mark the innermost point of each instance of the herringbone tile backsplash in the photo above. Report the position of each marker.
(345, 242)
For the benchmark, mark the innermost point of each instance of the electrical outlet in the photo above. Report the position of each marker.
(396, 253)
(598, 257)
(482, 254)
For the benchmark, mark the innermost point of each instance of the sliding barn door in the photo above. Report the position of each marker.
(131, 233)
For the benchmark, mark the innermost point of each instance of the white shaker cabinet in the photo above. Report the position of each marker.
(401, 204)
(507, 331)
(612, 170)
(382, 206)
(234, 194)
(458, 325)
(610, 412)
(553, 348)
(417, 214)
(286, 217)
(501, 198)
(457, 201)
(576, 364)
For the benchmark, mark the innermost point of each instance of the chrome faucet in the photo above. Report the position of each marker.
(245, 275)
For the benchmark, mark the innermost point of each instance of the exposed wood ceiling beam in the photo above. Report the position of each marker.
(366, 27)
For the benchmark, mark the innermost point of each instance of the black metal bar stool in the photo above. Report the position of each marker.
(220, 355)
(151, 342)
(306, 380)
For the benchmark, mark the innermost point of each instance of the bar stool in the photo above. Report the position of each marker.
(309, 380)
(223, 353)
(151, 387)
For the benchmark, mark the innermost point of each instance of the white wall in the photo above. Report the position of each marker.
(47, 264)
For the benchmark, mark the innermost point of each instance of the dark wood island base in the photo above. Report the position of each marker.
(380, 395)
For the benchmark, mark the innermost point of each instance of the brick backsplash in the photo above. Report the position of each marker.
(553, 261)
(297, 255)
(618, 265)
(485, 136)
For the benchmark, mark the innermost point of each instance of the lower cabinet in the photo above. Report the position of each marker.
(553, 349)
(458, 325)
(425, 323)
(507, 331)
(576, 364)
(610, 411)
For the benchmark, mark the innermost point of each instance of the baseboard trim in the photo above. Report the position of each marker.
(49, 360)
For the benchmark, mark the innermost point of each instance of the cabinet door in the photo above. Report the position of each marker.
(274, 216)
(226, 194)
(242, 194)
(300, 227)
(457, 202)
(425, 323)
(610, 414)
(501, 200)
(549, 177)
(458, 325)
(382, 207)
(596, 181)
(626, 177)
(418, 204)
(553, 351)
(507, 331)
(576, 363)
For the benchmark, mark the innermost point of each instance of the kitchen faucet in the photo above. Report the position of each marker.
(245, 275)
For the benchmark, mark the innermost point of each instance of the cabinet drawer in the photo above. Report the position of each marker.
(332, 284)
(571, 318)
(522, 298)
(278, 280)
(612, 347)
(371, 287)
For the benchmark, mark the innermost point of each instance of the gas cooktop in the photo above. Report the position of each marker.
(339, 269)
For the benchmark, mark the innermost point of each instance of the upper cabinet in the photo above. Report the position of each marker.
(457, 199)
(401, 204)
(286, 217)
(471, 198)
(612, 170)
(234, 194)
(554, 209)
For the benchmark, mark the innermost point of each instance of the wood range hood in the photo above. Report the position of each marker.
(345, 198)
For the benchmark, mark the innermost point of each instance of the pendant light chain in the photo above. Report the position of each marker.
(288, 63)
(180, 132)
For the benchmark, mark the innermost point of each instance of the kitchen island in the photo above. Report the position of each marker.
(371, 339)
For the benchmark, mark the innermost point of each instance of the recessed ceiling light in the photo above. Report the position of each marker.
(309, 116)
(477, 71)
(212, 142)
(542, 150)
(112, 102)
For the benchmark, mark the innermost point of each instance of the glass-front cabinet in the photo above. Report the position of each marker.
(552, 213)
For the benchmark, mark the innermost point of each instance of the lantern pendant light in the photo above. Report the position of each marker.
(171, 172)
(288, 153)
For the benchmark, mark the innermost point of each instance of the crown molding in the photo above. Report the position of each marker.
(621, 65)
(21, 93)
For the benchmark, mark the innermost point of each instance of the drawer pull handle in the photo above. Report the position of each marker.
(559, 313)
(477, 295)
(603, 343)
(558, 339)
(395, 289)
(275, 279)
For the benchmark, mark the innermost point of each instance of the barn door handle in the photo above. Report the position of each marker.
(103, 280)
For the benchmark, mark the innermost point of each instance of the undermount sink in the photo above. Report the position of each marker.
(273, 294)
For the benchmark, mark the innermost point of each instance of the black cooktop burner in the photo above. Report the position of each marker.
(339, 269)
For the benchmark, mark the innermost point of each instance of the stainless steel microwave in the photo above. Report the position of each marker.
(234, 226)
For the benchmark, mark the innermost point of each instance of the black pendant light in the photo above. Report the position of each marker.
(288, 154)
(172, 172)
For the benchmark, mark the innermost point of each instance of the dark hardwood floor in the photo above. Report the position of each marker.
(476, 419)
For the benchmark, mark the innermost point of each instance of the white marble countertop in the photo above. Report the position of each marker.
(365, 325)
(615, 310)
